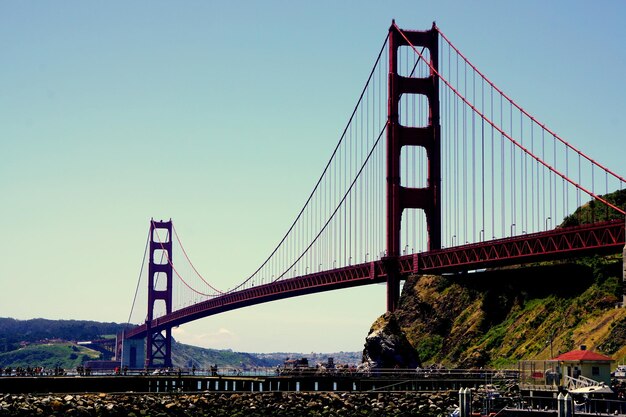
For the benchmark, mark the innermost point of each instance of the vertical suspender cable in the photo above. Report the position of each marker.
(502, 174)
(465, 179)
(565, 187)
(512, 165)
(456, 156)
(482, 159)
(522, 167)
(553, 195)
(493, 177)
(474, 158)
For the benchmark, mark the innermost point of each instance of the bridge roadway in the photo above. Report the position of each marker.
(597, 238)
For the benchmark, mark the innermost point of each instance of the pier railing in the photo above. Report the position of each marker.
(485, 374)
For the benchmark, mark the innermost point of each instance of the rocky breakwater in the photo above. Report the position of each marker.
(232, 405)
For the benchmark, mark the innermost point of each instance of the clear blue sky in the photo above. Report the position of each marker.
(221, 115)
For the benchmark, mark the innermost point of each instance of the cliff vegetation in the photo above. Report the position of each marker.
(495, 318)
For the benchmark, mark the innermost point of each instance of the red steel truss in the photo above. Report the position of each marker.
(599, 238)
(607, 237)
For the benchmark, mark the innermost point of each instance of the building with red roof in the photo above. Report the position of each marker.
(585, 363)
(582, 355)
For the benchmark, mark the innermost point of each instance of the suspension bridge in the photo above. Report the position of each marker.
(436, 171)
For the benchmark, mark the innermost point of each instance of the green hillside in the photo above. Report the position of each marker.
(13, 332)
(48, 355)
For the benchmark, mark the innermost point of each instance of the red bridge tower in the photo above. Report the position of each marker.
(428, 137)
(159, 343)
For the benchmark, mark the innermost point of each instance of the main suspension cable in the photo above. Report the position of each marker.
(319, 181)
(191, 263)
(143, 262)
(510, 138)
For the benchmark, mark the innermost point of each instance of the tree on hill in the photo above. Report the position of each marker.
(595, 211)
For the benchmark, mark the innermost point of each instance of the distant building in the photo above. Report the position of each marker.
(102, 365)
(302, 363)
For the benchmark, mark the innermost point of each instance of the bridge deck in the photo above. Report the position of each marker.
(603, 238)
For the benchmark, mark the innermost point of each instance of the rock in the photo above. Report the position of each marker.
(56, 405)
(319, 404)
(386, 346)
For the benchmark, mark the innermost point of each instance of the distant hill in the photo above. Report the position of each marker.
(186, 356)
(13, 332)
(51, 343)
